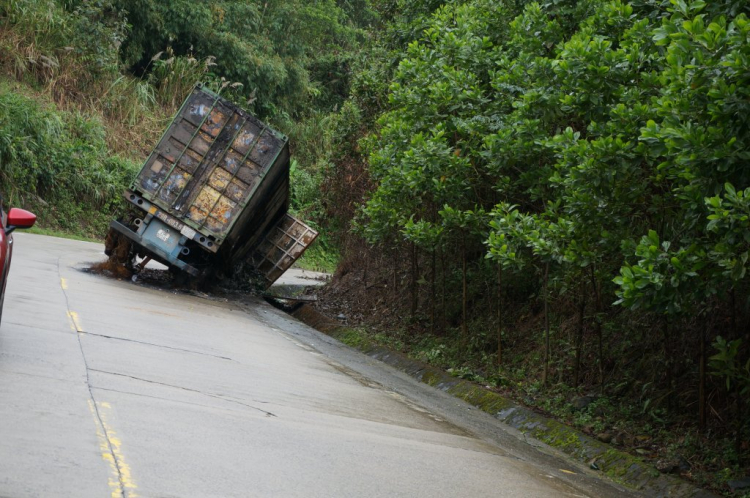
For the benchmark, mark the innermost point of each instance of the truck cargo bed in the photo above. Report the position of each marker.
(213, 189)
(210, 163)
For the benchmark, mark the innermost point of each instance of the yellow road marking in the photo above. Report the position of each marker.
(566, 471)
(114, 481)
(111, 448)
(63, 284)
(70, 322)
(116, 444)
(75, 322)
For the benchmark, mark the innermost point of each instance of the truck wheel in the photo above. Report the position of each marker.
(119, 248)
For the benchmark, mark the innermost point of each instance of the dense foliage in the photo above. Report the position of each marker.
(129, 64)
(546, 195)
(586, 155)
(60, 163)
(269, 48)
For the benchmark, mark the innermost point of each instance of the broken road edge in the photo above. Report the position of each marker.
(619, 466)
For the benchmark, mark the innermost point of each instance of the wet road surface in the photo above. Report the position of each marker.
(113, 389)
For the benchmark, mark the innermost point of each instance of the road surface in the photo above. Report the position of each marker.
(108, 388)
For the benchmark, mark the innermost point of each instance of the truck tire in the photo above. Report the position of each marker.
(119, 248)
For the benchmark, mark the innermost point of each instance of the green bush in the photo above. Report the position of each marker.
(58, 164)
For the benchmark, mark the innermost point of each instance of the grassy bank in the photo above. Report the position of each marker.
(58, 164)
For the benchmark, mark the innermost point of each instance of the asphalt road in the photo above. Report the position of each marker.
(108, 388)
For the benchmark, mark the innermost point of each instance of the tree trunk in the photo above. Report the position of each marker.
(738, 435)
(702, 382)
(433, 295)
(733, 313)
(367, 265)
(668, 363)
(443, 293)
(395, 276)
(598, 324)
(745, 333)
(414, 276)
(737, 386)
(545, 373)
(465, 298)
(500, 306)
(579, 335)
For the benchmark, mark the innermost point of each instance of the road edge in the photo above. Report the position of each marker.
(619, 466)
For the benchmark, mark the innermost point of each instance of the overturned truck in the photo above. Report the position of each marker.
(213, 196)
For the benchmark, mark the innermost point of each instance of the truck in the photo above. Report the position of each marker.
(213, 195)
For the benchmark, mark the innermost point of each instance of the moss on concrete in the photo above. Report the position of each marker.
(429, 377)
(352, 337)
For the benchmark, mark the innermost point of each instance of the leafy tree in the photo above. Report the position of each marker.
(565, 131)
(270, 48)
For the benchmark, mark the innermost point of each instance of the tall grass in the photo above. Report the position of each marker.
(72, 56)
(58, 164)
(38, 45)
(128, 101)
(312, 143)
(174, 76)
(74, 124)
(73, 127)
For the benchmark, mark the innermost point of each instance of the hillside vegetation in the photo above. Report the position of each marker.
(556, 201)
(88, 86)
(551, 198)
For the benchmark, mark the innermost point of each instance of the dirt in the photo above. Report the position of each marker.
(220, 290)
(357, 297)
(111, 269)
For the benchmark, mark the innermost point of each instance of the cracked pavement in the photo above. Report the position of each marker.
(113, 389)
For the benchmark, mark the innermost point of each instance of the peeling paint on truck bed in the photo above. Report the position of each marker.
(210, 162)
(214, 188)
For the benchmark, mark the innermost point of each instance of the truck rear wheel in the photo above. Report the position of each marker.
(119, 248)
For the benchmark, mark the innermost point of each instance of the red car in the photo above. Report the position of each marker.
(15, 218)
